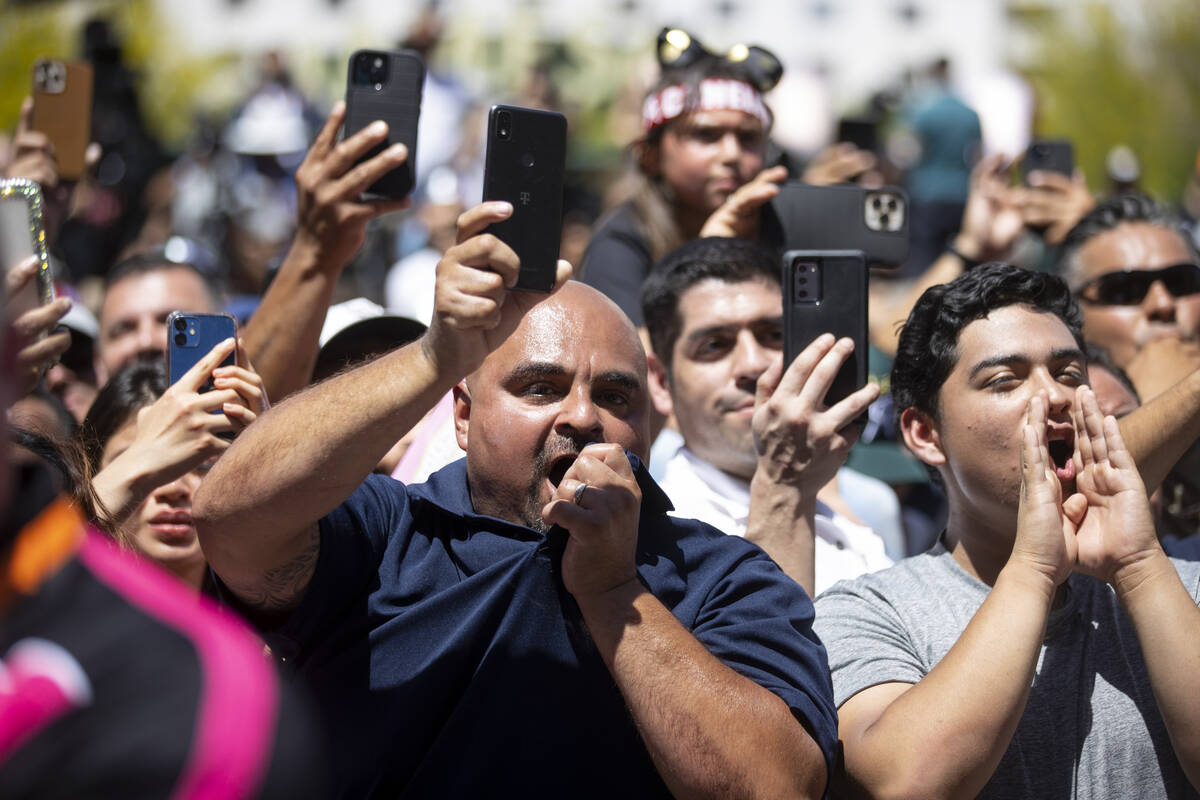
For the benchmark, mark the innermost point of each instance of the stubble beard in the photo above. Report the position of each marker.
(556, 445)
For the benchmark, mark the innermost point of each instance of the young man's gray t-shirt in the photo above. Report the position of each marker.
(1091, 727)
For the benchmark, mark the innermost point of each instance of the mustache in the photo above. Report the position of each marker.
(557, 445)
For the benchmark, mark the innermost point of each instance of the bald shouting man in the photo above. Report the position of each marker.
(530, 622)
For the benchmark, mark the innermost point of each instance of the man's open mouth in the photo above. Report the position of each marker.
(1061, 451)
(559, 467)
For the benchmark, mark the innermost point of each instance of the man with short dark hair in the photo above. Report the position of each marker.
(1138, 281)
(139, 294)
(1046, 646)
(529, 622)
(758, 443)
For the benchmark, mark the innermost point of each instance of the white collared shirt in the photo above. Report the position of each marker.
(843, 549)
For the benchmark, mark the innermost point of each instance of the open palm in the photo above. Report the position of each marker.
(1117, 527)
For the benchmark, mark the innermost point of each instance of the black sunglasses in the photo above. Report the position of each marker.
(1129, 287)
(678, 49)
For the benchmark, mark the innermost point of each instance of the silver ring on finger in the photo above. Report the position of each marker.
(579, 490)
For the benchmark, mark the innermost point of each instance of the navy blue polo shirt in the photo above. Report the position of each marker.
(448, 659)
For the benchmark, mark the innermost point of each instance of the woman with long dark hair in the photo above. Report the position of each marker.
(698, 168)
(149, 446)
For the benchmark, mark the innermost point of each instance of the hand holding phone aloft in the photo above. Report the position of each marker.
(474, 309)
(37, 347)
(801, 439)
(183, 428)
(386, 86)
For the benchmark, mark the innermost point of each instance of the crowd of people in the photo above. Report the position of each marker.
(603, 541)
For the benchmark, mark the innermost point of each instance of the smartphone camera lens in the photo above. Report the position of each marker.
(883, 220)
(180, 339)
(876, 203)
(180, 323)
(504, 126)
(370, 69)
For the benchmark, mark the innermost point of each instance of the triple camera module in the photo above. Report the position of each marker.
(884, 211)
(806, 282)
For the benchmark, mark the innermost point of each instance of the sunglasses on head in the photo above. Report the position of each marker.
(678, 49)
(1129, 287)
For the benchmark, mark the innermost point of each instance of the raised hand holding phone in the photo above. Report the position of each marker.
(184, 428)
(386, 86)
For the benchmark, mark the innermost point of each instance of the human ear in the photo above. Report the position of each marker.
(462, 413)
(660, 385)
(922, 437)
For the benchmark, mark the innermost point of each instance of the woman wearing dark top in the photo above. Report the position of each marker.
(698, 167)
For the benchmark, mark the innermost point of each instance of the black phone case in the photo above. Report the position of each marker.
(838, 306)
(1048, 155)
(527, 170)
(806, 217)
(398, 103)
(203, 332)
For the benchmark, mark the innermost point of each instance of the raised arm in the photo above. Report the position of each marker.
(710, 731)
(281, 337)
(801, 445)
(1161, 431)
(257, 511)
(1117, 543)
(945, 735)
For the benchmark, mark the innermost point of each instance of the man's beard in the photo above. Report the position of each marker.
(556, 447)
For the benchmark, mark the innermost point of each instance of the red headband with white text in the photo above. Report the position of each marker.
(714, 94)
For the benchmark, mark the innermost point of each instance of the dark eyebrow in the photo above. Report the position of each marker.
(700, 333)
(543, 370)
(533, 370)
(1061, 354)
(624, 380)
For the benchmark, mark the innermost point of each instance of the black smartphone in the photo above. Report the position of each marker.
(858, 132)
(825, 291)
(22, 234)
(387, 85)
(190, 337)
(1048, 155)
(524, 164)
(874, 221)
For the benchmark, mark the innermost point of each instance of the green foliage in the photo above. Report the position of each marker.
(1115, 80)
(27, 33)
(171, 80)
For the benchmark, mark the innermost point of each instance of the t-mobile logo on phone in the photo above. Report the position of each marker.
(526, 198)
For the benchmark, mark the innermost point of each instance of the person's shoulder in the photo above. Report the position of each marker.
(908, 577)
(618, 228)
(621, 221)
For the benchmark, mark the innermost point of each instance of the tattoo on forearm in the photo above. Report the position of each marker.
(281, 587)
